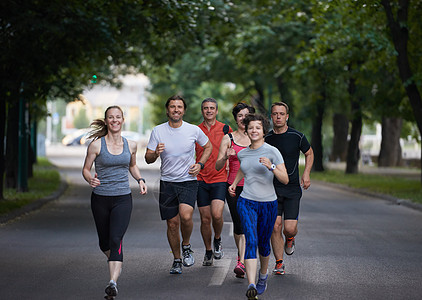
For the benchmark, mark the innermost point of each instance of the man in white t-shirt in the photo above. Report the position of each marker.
(174, 142)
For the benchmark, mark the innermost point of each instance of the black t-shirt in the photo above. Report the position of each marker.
(289, 143)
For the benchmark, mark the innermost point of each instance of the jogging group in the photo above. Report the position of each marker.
(252, 167)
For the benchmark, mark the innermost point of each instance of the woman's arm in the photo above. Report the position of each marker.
(280, 171)
(222, 153)
(91, 153)
(237, 179)
(133, 168)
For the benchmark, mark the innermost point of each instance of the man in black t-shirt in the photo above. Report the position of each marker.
(290, 143)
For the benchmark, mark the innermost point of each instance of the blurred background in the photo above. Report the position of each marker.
(350, 71)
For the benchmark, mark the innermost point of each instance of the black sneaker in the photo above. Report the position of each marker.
(218, 249)
(176, 267)
(252, 293)
(208, 260)
(111, 290)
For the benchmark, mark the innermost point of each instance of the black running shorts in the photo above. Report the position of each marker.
(174, 193)
(288, 202)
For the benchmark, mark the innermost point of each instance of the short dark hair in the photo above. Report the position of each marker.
(240, 106)
(176, 97)
(257, 117)
(280, 104)
(212, 100)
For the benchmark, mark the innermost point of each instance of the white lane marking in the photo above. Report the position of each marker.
(220, 272)
(231, 227)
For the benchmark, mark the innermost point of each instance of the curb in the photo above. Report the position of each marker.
(37, 204)
(393, 200)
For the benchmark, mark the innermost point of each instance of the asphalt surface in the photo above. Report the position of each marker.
(349, 246)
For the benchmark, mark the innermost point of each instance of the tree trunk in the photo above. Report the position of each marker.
(400, 36)
(12, 145)
(353, 152)
(316, 141)
(283, 90)
(390, 152)
(259, 100)
(2, 128)
(341, 131)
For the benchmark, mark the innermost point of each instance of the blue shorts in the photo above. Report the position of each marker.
(210, 191)
(258, 220)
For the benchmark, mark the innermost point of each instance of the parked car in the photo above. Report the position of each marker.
(77, 137)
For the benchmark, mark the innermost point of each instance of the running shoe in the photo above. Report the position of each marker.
(289, 246)
(239, 270)
(252, 293)
(218, 249)
(261, 285)
(188, 259)
(279, 269)
(111, 290)
(208, 261)
(176, 268)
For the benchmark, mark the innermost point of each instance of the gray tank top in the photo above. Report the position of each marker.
(112, 171)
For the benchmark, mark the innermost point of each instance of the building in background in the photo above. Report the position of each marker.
(131, 97)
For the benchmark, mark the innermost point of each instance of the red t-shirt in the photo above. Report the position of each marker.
(209, 174)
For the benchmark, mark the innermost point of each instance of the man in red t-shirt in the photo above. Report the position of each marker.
(211, 183)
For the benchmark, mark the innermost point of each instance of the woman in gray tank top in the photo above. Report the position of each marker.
(257, 204)
(111, 198)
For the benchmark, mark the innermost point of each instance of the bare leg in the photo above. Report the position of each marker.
(205, 213)
(251, 266)
(115, 268)
(277, 241)
(186, 223)
(173, 235)
(217, 208)
(290, 228)
(240, 244)
(264, 260)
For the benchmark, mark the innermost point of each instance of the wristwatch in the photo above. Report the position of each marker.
(273, 166)
(201, 164)
(139, 180)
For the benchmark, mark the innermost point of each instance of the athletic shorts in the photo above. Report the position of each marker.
(210, 191)
(288, 203)
(174, 193)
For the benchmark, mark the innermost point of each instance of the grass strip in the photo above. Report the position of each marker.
(397, 186)
(46, 181)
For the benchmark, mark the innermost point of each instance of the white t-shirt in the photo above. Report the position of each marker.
(179, 152)
(258, 179)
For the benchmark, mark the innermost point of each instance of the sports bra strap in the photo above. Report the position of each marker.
(231, 137)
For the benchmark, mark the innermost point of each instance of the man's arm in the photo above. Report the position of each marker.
(309, 161)
(222, 153)
(152, 155)
(207, 152)
(196, 167)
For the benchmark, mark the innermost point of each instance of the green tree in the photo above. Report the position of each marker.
(53, 48)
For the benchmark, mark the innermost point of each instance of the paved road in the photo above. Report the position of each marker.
(349, 247)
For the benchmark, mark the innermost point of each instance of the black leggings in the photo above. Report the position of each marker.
(111, 216)
(232, 203)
